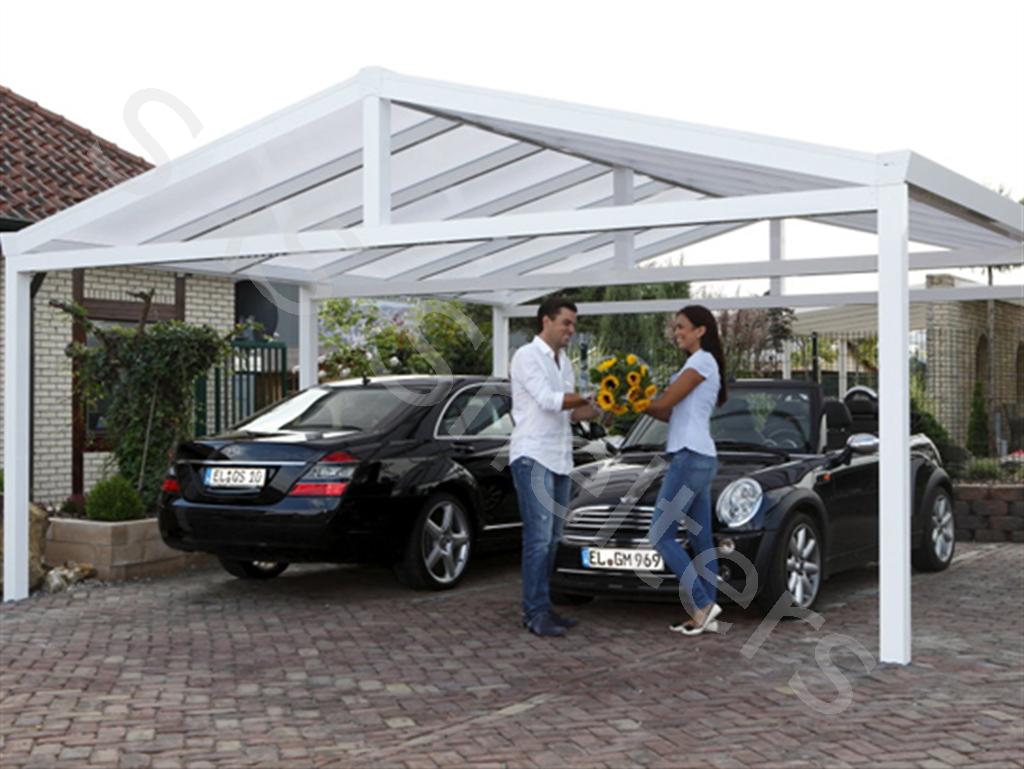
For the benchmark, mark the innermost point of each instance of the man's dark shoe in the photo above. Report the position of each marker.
(545, 626)
(566, 622)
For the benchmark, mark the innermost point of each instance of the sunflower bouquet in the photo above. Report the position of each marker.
(624, 384)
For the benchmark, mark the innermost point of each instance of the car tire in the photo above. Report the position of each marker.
(252, 569)
(794, 568)
(570, 599)
(935, 550)
(437, 553)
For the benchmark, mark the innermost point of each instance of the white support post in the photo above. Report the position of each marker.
(376, 161)
(17, 360)
(622, 183)
(894, 426)
(787, 358)
(309, 338)
(776, 252)
(844, 354)
(499, 343)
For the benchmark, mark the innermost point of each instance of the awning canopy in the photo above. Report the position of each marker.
(282, 199)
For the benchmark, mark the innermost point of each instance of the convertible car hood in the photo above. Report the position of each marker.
(606, 482)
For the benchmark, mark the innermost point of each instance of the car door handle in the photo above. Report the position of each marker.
(462, 447)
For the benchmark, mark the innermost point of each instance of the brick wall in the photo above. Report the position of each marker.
(954, 329)
(207, 300)
(989, 512)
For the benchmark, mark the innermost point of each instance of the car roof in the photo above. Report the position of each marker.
(415, 379)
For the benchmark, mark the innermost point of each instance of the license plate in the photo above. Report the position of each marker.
(236, 477)
(619, 558)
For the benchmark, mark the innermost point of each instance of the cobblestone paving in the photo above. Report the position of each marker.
(340, 667)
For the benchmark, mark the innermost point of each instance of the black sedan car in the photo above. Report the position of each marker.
(796, 495)
(405, 470)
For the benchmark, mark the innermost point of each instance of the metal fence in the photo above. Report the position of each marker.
(255, 376)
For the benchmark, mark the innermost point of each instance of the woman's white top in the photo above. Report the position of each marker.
(689, 426)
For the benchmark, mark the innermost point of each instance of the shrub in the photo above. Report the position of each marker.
(114, 499)
(983, 470)
(74, 506)
(977, 425)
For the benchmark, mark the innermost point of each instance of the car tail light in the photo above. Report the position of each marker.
(170, 484)
(327, 478)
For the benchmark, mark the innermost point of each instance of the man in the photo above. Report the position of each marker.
(543, 404)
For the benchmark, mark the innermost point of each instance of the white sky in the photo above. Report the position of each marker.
(943, 79)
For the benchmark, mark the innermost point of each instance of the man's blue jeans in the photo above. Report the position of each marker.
(543, 504)
(686, 491)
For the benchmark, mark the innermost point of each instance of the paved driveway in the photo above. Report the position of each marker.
(339, 667)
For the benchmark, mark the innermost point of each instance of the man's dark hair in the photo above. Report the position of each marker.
(551, 307)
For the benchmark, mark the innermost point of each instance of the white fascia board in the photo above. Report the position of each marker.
(735, 146)
(244, 140)
(927, 175)
(972, 294)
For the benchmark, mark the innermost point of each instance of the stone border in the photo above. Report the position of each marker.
(989, 512)
(121, 550)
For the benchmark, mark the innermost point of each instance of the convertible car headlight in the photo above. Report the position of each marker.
(739, 501)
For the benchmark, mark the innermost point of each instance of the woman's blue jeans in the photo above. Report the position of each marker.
(543, 503)
(686, 493)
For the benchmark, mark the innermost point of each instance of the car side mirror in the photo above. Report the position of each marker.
(862, 443)
(597, 430)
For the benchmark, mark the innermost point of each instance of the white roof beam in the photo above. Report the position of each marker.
(611, 219)
(835, 265)
(971, 294)
(376, 161)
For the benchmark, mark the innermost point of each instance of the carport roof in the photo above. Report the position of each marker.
(465, 153)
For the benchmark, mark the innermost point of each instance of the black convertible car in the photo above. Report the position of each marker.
(796, 494)
(404, 470)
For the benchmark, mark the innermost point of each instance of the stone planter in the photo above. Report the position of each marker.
(989, 512)
(122, 550)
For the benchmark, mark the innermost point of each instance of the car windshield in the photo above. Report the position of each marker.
(328, 409)
(772, 417)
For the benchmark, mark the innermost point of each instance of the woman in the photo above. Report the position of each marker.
(686, 404)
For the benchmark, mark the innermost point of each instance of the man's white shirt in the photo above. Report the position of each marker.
(542, 429)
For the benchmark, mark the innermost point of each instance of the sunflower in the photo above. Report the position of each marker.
(643, 369)
(607, 364)
(651, 391)
(605, 400)
(631, 359)
(619, 410)
(641, 405)
(633, 378)
(633, 394)
(610, 382)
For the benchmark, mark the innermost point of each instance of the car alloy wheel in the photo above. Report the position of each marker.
(444, 545)
(803, 565)
(942, 527)
(934, 550)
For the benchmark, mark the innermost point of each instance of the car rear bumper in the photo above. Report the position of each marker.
(310, 529)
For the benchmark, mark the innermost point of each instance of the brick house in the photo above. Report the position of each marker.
(48, 163)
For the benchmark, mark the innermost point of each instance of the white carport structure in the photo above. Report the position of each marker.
(392, 185)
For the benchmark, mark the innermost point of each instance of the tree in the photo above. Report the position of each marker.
(147, 377)
(977, 424)
(429, 337)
